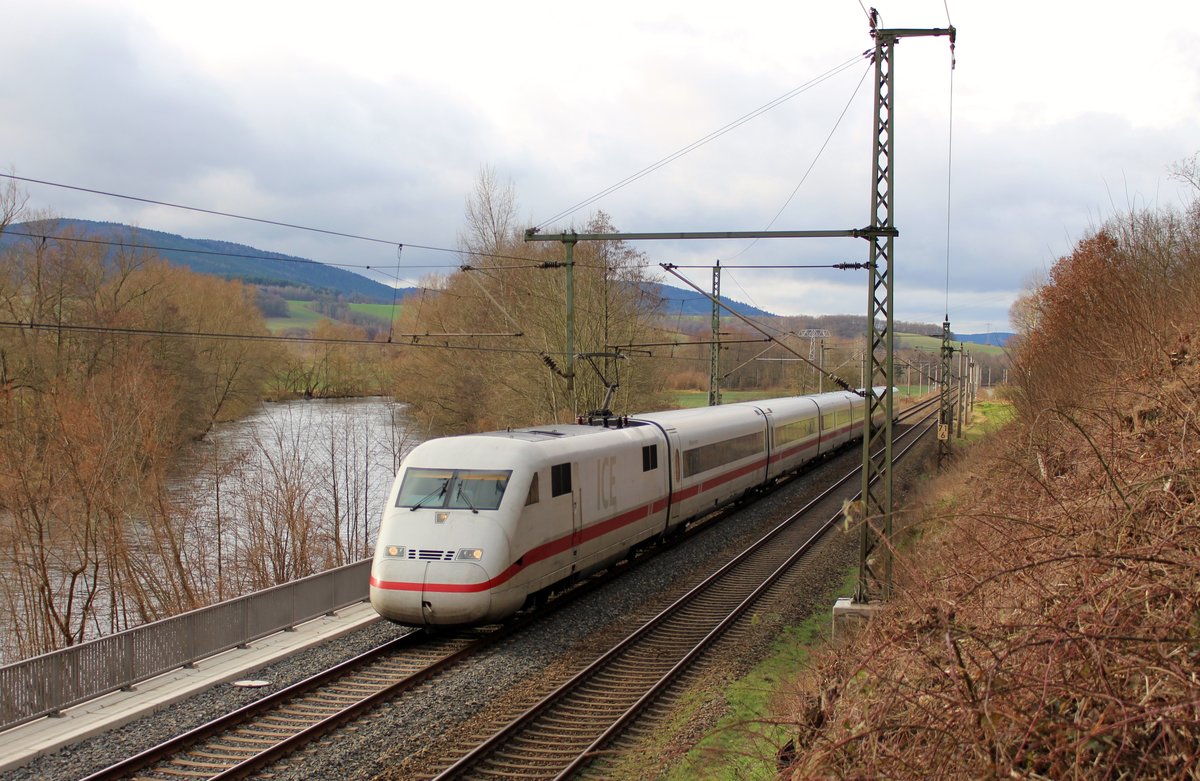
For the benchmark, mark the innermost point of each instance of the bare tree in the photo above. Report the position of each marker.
(470, 385)
(491, 213)
(91, 424)
(1187, 171)
(12, 202)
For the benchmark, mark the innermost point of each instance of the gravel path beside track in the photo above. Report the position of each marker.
(390, 743)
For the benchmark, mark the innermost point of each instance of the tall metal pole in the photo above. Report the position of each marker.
(875, 576)
(962, 389)
(876, 530)
(946, 411)
(821, 370)
(714, 362)
(570, 264)
(974, 373)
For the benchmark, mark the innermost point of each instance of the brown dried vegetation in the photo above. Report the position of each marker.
(1047, 623)
(459, 385)
(95, 403)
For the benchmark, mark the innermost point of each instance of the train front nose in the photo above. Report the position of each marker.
(433, 593)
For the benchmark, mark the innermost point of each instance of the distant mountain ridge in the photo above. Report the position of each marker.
(219, 258)
(261, 267)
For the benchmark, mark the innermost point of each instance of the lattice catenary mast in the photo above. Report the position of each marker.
(875, 573)
(876, 527)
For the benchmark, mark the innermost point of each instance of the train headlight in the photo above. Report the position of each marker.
(470, 554)
(393, 551)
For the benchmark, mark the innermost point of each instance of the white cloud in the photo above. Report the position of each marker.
(374, 118)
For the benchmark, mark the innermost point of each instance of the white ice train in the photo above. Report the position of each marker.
(477, 525)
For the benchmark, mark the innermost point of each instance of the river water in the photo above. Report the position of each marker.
(369, 434)
(325, 463)
(293, 489)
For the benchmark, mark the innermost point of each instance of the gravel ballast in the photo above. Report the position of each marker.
(418, 721)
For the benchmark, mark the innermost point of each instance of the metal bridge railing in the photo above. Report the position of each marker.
(46, 684)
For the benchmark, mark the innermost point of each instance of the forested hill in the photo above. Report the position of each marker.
(678, 301)
(219, 258)
(260, 267)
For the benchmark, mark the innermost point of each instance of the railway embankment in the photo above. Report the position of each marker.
(1046, 621)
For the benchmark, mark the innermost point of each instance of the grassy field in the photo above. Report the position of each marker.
(383, 312)
(987, 417)
(302, 316)
(690, 399)
(934, 344)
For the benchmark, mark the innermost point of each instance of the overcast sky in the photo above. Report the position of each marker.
(375, 118)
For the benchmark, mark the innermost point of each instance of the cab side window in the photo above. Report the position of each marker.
(560, 479)
(532, 497)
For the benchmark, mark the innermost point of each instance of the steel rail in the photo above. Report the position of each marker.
(261, 708)
(246, 713)
(514, 729)
(659, 688)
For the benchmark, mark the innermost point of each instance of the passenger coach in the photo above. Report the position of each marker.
(477, 525)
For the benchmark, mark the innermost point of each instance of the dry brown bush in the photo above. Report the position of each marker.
(688, 380)
(94, 409)
(1048, 622)
(458, 385)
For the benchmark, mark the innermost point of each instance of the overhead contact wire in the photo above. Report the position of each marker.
(214, 253)
(416, 337)
(702, 141)
(816, 158)
(247, 218)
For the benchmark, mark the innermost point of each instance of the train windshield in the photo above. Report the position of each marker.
(453, 489)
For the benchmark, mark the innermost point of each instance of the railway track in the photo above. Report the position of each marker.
(256, 735)
(569, 730)
(262, 733)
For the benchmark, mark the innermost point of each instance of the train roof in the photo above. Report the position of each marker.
(552, 432)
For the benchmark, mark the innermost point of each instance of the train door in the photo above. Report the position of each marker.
(675, 480)
(576, 516)
(564, 481)
(768, 440)
(820, 427)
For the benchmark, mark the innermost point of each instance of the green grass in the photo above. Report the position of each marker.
(691, 399)
(382, 312)
(907, 391)
(989, 416)
(743, 745)
(302, 316)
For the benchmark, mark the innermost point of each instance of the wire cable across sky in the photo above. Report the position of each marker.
(261, 220)
(702, 141)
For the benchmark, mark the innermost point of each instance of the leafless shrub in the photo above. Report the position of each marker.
(1047, 624)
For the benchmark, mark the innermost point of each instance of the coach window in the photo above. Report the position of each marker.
(649, 458)
(708, 457)
(560, 479)
(532, 497)
(795, 431)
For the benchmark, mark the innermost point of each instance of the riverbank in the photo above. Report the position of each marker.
(291, 489)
